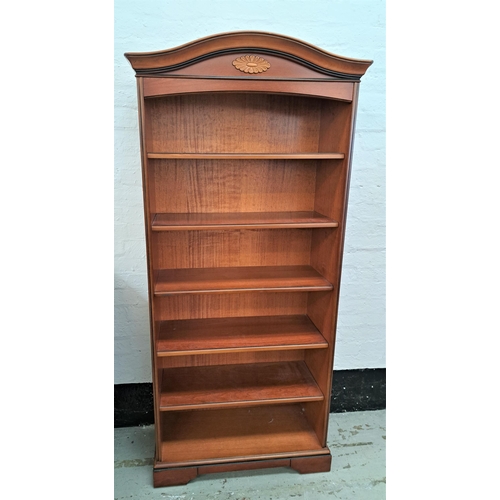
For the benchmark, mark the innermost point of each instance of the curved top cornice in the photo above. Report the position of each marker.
(268, 43)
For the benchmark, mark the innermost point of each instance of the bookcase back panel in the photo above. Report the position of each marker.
(199, 249)
(212, 123)
(229, 305)
(230, 358)
(211, 186)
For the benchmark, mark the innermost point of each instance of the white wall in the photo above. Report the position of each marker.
(354, 28)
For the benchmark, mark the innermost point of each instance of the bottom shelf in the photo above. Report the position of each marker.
(229, 435)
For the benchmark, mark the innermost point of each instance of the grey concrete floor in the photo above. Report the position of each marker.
(356, 441)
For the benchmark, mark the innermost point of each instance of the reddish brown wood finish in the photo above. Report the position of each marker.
(246, 176)
(246, 156)
(148, 198)
(245, 220)
(284, 70)
(233, 186)
(231, 358)
(231, 435)
(327, 252)
(213, 305)
(182, 475)
(274, 124)
(227, 386)
(254, 333)
(261, 464)
(306, 465)
(284, 46)
(237, 279)
(174, 477)
(155, 87)
(231, 249)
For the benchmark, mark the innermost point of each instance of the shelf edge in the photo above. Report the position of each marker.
(246, 156)
(244, 458)
(314, 288)
(226, 350)
(241, 404)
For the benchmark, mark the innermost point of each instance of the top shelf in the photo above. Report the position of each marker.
(246, 156)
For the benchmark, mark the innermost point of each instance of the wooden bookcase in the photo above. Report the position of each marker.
(246, 143)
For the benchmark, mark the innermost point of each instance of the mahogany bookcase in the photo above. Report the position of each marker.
(246, 144)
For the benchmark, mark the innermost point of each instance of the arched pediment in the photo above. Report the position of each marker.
(249, 54)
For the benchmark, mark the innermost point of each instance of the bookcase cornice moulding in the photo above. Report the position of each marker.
(326, 64)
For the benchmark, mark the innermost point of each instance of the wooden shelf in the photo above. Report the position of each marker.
(216, 335)
(199, 387)
(239, 279)
(245, 220)
(227, 435)
(246, 156)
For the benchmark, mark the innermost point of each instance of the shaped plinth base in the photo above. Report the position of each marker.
(182, 475)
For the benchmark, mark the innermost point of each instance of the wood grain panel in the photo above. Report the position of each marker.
(261, 333)
(330, 191)
(232, 305)
(325, 253)
(331, 177)
(211, 186)
(232, 358)
(155, 87)
(222, 65)
(148, 200)
(224, 249)
(259, 464)
(174, 477)
(212, 123)
(246, 156)
(321, 310)
(233, 434)
(237, 385)
(307, 465)
(335, 126)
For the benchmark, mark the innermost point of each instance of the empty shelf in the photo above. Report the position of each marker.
(197, 437)
(239, 279)
(198, 387)
(257, 333)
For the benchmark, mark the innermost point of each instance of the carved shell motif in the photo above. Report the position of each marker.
(251, 64)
